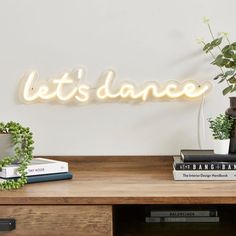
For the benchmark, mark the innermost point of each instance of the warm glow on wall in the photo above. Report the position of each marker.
(71, 87)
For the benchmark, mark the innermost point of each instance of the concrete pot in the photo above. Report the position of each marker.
(6, 146)
(221, 146)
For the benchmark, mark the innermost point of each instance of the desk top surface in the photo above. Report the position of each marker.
(122, 180)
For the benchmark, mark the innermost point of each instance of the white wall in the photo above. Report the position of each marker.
(142, 40)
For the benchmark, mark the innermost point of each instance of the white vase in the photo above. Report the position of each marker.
(221, 146)
(6, 146)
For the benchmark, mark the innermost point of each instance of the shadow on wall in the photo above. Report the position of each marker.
(200, 66)
(174, 127)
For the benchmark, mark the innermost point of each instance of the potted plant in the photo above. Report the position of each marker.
(16, 143)
(221, 127)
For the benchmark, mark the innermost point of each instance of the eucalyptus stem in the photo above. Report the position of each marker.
(225, 60)
(227, 40)
(214, 57)
(209, 27)
(213, 37)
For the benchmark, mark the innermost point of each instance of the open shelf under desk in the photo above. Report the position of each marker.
(129, 220)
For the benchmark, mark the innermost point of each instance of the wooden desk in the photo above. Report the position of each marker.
(85, 205)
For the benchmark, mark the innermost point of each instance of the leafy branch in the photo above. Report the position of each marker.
(224, 58)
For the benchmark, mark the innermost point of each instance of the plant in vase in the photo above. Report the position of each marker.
(223, 53)
(221, 127)
(21, 140)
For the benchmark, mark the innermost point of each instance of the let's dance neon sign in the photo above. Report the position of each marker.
(72, 87)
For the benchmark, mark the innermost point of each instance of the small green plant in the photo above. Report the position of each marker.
(22, 140)
(223, 53)
(222, 126)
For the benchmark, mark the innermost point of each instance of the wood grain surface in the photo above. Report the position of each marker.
(122, 180)
(59, 220)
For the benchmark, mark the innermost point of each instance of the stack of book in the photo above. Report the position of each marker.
(204, 165)
(39, 170)
(183, 216)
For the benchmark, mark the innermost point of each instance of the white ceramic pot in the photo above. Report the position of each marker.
(6, 146)
(221, 146)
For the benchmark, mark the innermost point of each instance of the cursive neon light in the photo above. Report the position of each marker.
(70, 87)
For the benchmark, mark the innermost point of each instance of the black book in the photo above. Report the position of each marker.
(213, 165)
(213, 219)
(197, 155)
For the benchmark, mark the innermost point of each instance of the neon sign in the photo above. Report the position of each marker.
(72, 87)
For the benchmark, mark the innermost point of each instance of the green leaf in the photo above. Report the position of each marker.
(229, 72)
(206, 47)
(227, 48)
(232, 80)
(234, 88)
(231, 64)
(218, 58)
(218, 76)
(221, 80)
(229, 54)
(225, 62)
(216, 42)
(227, 90)
(233, 45)
(220, 61)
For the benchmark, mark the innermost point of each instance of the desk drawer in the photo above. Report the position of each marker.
(50, 220)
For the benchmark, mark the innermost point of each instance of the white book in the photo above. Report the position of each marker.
(182, 219)
(204, 175)
(37, 166)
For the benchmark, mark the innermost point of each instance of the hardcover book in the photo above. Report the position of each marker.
(205, 155)
(182, 219)
(44, 178)
(50, 177)
(184, 213)
(204, 175)
(37, 166)
(212, 165)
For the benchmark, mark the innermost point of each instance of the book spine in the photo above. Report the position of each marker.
(43, 178)
(183, 213)
(182, 219)
(206, 166)
(51, 177)
(210, 158)
(204, 175)
(59, 167)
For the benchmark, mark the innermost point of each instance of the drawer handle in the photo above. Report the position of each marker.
(7, 224)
